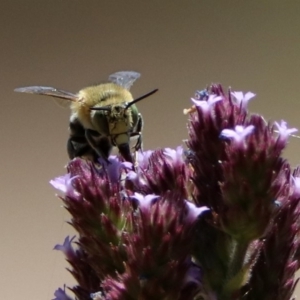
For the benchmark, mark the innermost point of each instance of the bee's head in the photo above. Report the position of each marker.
(117, 112)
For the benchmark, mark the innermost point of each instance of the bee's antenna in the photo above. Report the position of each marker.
(140, 98)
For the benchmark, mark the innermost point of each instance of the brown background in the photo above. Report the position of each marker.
(178, 46)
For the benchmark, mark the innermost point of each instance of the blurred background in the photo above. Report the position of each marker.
(177, 46)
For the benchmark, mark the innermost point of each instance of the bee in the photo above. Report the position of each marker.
(103, 116)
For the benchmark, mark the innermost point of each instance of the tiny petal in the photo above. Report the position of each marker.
(114, 166)
(194, 212)
(206, 105)
(243, 99)
(60, 294)
(66, 247)
(127, 165)
(174, 154)
(132, 176)
(296, 181)
(238, 134)
(96, 296)
(143, 158)
(193, 275)
(144, 201)
(283, 131)
(64, 185)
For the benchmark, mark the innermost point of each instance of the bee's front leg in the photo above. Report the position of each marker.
(122, 142)
(139, 143)
(138, 132)
(124, 150)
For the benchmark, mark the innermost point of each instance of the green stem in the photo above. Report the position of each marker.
(238, 257)
(235, 274)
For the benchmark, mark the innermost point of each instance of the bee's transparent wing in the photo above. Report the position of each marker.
(124, 78)
(60, 95)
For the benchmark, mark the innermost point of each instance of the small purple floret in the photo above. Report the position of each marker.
(243, 99)
(194, 212)
(296, 181)
(66, 247)
(238, 134)
(144, 201)
(64, 185)
(175, 154)
(204, 105)
(114, 166)
(283, 131)
(60, 294)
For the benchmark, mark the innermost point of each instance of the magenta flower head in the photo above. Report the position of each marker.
(126, 235)
(240, 175)
(161, 171)
(216, 219)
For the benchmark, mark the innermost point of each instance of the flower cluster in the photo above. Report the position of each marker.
(217, 220)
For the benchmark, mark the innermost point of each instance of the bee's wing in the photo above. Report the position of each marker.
(124, 78)
(50, 91)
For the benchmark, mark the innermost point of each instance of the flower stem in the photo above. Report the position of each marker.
(236, 274)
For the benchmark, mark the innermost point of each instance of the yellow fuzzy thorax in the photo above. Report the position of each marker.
(98, 96)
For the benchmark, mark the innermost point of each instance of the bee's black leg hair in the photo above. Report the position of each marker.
(125, 152)
(139, 127)
(101, 144)
(77, 145)
(78, 149)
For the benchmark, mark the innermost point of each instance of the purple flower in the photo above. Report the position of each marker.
(238, 134)
(193, 274)
(194, 212)
(296, 182)
(179, 224)
(60, 294)
(176, 155)
(144, 201)
(97, 296)
(64, 185)
(242, 99)
(143, 159)
(114, 166)
(204, 105)
(66, 247)
(283, 131)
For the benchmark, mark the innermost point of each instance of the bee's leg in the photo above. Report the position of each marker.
(77, 145)
(124, 150)
(77, 149)
(101, 144)
(139, 127)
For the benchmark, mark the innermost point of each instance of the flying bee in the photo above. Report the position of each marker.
(102, 116)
